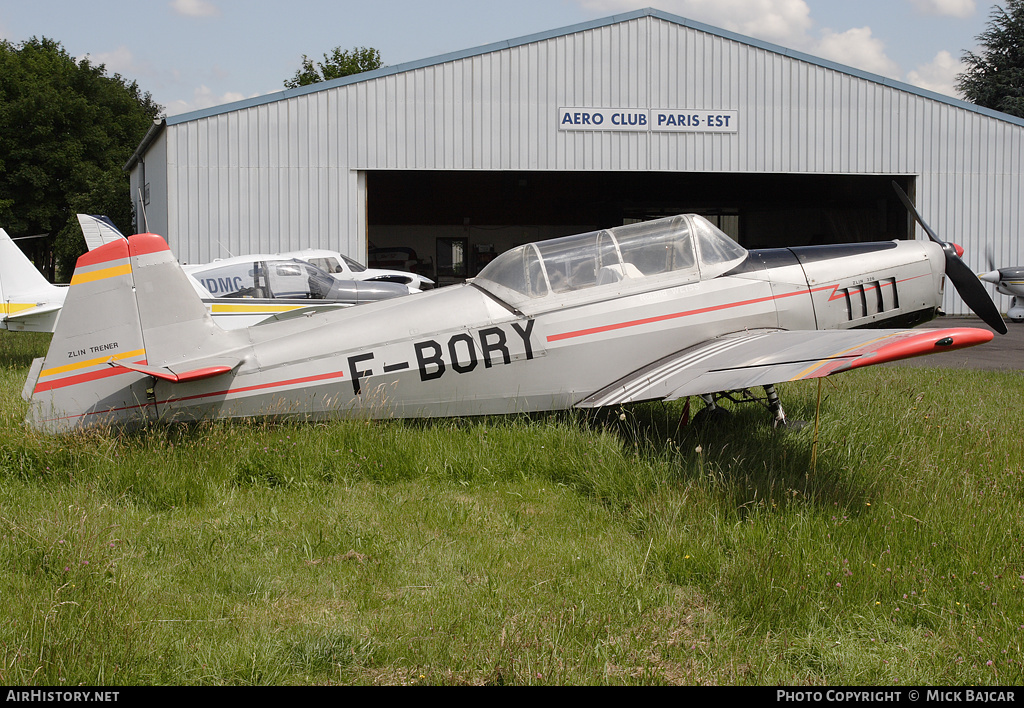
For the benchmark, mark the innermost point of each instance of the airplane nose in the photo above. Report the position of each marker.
(991, 276)
(959, 249)
(964, 280)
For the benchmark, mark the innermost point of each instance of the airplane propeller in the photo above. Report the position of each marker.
(967, 284)
(992, 275)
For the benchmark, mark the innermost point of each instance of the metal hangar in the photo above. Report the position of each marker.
(437, 165)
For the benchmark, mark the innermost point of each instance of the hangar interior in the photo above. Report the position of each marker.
(448, 225)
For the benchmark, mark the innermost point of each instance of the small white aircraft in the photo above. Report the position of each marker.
(245, 290)
(273, 277)
(28, 301)
(345, 268)
(1008, 281)
(659, 310)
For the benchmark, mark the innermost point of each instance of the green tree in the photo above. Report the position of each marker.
(995, 77)
(340, 62)
(66, 131)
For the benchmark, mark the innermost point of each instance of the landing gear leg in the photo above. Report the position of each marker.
(779, 419)
(711, 413)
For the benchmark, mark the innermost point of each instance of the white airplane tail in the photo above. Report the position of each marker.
(28, 301)
(130, 316)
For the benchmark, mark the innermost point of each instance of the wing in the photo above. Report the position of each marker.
(758, 358)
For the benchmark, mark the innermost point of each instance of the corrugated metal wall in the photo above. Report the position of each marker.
(285, 173)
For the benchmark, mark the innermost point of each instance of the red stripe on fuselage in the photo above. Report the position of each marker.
(258, 387)
(82, 378)
(699, 311)
(118, 371)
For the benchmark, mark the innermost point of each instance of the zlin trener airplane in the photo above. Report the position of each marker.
(657, 310)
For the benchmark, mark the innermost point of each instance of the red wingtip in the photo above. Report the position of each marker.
(926, 341)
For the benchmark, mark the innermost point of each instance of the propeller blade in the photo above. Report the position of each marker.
(974, 293)
(917, 216)
(967, 284)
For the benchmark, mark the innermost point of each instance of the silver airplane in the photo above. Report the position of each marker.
(1008, 281)
(664, 309)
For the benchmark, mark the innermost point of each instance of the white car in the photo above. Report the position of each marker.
(345, 268)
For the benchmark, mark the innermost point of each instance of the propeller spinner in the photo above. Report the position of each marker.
(967, 284)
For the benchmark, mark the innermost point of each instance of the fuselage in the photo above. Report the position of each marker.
(462, 351)
(543, 327)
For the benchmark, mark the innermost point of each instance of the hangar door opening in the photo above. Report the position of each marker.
(449, 225)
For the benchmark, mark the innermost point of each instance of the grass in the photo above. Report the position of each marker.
(556, 549)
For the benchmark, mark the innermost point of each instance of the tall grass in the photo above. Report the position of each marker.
(882, 547)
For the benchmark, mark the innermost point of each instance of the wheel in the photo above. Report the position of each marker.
(708, 417)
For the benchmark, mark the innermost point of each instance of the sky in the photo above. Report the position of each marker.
(193, 54)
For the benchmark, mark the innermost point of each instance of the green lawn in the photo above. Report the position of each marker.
(882, 546)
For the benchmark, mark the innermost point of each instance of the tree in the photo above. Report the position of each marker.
(995, 78)
(335, 65)
(66, 131)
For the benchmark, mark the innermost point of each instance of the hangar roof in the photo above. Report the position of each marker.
(160, 124)
(572, 29)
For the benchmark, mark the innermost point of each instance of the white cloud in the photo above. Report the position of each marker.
(938, 75)
(781, 21)
(952, 8)
(120, 61)
(789, 23)
(195, 8)
(202, 97)
(857, 48)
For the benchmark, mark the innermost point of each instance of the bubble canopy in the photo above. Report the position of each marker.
(680, 248)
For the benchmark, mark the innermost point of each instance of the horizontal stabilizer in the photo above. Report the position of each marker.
(41, 309)
(302, 312)
(206, 371)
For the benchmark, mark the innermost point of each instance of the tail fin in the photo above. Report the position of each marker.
(28, 301)
(98, 230)
(130, 315)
